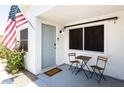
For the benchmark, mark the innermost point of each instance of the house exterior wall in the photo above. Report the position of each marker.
(114, 42)
(32, 57)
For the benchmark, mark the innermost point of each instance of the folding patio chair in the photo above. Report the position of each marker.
(99, 68)
(73, 61)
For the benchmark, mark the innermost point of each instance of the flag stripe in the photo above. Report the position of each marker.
(20, 20)
(21, 24)
(12, 41)
(9, 33)
(10, 37)
(10, 27)
(19, 13)
(9, 23)
(6, 38)
(18, 16)
(17, 19)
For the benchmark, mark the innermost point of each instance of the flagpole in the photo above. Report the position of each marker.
(30, 23)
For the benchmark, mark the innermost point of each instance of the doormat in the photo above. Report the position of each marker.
(52, 71)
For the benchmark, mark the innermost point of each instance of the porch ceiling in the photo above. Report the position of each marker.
(68, 13)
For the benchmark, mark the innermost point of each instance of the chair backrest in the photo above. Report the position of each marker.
(71, 56)
(102, 60)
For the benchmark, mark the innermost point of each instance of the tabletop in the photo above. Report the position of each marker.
(86, 58)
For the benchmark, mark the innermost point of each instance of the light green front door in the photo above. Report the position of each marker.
(48, 45)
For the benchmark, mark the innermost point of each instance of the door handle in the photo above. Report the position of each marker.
(54, 45)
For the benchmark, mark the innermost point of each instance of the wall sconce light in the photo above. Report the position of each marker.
(57, 38)
(62, 30)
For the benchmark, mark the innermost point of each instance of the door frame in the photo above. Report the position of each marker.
(52, 24)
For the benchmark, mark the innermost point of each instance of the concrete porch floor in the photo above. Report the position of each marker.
(64, 78)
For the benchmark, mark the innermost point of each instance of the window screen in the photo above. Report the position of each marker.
(94, 38)
(76, 38)
(24, 39)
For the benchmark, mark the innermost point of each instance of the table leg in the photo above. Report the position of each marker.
(82, 66)
(87, 66)
(78, 70)
(85, 74)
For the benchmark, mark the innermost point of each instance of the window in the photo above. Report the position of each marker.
(76, 38)
(24, 39)
(94, 38)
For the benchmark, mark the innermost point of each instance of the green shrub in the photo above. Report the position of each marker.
(3, 52)
(14, 59)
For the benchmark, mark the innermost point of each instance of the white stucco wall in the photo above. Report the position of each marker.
(114, 42)
(29, 61)
(32, 57)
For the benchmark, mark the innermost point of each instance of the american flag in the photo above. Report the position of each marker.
(15, 20)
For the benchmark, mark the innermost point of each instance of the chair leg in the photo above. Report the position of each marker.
(96, 74)
(75, 68)
(92, 73)
(104, 77)
(101, 76)
(70, 68)
(99, 79)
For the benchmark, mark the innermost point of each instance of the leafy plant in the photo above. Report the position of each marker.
(14, 59)
(3, 51)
